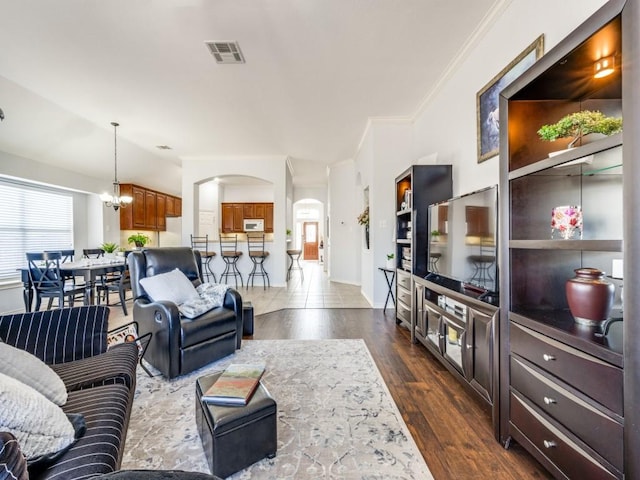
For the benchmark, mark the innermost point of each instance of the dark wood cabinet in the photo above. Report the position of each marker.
(563, 384)
(149, 209)
(460, 332)
(416, 188)
(234, 214)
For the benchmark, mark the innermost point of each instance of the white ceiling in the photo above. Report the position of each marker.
(315, 71)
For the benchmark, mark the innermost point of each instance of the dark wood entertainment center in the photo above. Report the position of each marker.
(566, 392)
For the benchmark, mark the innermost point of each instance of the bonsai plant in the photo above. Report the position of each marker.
(579, 124)
(109, 247)
(139, 239)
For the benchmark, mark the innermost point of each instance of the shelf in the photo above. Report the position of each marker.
(559, 324)
(585, 245)
(404, 241)
(606, 143)
(403, 212)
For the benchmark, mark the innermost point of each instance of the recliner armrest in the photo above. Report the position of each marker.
(162, 320)
(233, 301)
(58, 336)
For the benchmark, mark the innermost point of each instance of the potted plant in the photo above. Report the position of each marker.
(109, 248)
(579, 124)
(363, 219)
(391, 264)
(435, 235)
(138, 239)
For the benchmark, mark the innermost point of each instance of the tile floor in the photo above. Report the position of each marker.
(315, 291)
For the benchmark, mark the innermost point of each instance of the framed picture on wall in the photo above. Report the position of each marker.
(488, 120)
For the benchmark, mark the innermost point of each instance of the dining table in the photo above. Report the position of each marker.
(89, 269)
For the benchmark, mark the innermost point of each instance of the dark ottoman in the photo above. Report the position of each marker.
(247, 318)
(235, 437)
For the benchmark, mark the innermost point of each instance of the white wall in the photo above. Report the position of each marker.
(246, 193)
(385, 153)
(447, 123)
(196, 171)
(345, 235)
(444, 128)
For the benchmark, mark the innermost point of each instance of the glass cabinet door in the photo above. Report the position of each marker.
(452, 345)
(434, 327)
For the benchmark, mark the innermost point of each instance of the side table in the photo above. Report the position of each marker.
(389, 276)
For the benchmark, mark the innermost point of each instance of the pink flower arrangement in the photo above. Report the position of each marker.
(566, 221)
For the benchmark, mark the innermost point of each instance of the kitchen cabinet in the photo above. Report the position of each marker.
(174, 206)
(234, 214)
(149, 208)
(161, 211)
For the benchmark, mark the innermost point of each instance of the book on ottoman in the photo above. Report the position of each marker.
(235, 385)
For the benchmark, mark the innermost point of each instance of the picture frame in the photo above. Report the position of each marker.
(487, 117)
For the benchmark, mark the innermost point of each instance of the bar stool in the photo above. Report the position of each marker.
(230, 254)
(257, 254)
(294, 256)
(202, 245)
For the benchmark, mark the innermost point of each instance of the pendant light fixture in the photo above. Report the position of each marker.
(115, 200)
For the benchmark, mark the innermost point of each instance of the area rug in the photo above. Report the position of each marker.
(336, 417)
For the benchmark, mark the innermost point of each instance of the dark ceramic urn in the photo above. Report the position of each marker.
(590, 296)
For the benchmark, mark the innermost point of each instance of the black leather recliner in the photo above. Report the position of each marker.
(180, 345)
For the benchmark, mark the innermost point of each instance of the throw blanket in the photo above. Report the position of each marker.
(211, 296)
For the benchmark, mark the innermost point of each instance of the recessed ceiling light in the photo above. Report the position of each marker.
(226, 52)
(163, 147)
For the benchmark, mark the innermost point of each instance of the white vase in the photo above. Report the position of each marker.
(391, 263)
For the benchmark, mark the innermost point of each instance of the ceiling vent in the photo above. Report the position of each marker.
(226, 52)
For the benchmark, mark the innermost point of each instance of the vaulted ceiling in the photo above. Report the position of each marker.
(315, 72)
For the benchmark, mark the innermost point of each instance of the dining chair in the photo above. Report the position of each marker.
(202, 245)
(230, 254)
(97, 253)
(119, 284)
(257, 254)
(47, 280)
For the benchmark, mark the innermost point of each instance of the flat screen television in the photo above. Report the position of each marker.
(463, 244)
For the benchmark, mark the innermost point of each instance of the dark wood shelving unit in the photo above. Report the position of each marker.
(426, 184)
(545, 354)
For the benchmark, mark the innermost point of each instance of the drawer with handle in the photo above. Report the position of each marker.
(555, 444)
(404, 280)
(600, 431)
(404, 296)
(403, 312)
(595, 378)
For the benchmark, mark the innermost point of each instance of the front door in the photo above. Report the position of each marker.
(310, 240)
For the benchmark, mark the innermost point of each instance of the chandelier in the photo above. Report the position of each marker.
(115, 200)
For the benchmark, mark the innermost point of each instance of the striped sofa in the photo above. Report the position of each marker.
(100, 383)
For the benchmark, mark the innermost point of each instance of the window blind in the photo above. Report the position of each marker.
(32, 219)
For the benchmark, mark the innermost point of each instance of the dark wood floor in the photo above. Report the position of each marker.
(451, 428)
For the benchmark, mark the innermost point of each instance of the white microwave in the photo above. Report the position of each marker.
(253, 225)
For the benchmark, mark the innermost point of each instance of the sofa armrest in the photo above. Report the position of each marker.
(12, 463)
(233, 301)
(58, 336)
(162, 320)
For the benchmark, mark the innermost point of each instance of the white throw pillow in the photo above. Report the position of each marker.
(30, 370)
(172, 286)
(40, 426)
